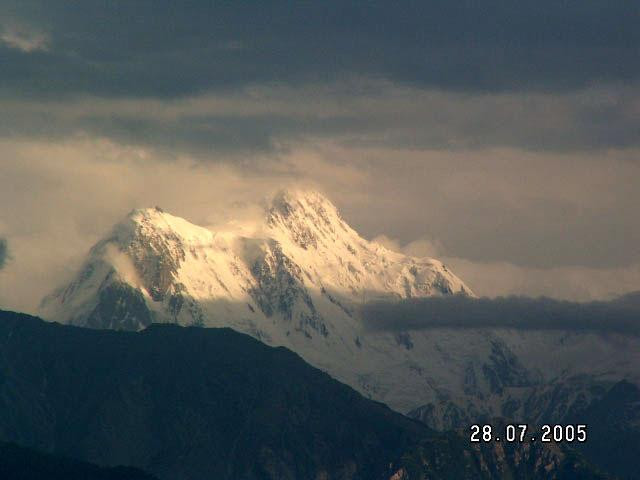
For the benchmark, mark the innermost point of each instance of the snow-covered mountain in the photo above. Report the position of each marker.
(296, 278)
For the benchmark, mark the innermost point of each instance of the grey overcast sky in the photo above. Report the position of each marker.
(503, 137)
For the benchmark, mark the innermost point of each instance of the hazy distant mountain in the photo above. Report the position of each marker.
(296, 276)
(194, 403)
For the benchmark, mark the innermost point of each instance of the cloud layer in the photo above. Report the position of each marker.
(361, 112)
(621, 315)
(162, 49)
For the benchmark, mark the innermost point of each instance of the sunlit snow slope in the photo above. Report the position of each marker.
(296, 278)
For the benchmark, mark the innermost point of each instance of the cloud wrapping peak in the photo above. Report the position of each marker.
(621, 315)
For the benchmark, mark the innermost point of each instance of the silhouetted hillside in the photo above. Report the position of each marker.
(19, 463)
(193, 403)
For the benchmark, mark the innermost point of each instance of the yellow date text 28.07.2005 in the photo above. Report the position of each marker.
(523, 433)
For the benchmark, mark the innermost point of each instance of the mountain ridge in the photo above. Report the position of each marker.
(186, 403)
(21, 463)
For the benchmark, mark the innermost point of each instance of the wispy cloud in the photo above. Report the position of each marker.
(24, 39)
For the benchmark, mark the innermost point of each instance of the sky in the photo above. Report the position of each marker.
(501, 137)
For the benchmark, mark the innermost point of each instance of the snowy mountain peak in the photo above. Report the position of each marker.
(296, 277)
(306, 265)
(306, 217)
(145, 221)
(303, 204)
(291, 199)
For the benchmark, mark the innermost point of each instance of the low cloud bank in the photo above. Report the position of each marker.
(621, 315)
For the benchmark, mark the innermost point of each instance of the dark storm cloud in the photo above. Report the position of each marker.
(167, 49)
(618, 316)
(222, 133)
(195, 133)
(365, 113)
(561, 76)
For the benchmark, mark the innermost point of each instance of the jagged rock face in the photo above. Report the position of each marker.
(120, 307)
(502, 369)
(299, 283)
(157, 259)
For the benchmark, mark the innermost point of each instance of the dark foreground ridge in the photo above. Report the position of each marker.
(19, 463)
(193, 403)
